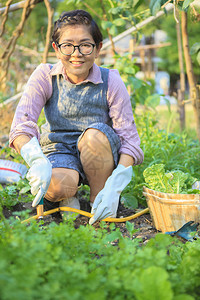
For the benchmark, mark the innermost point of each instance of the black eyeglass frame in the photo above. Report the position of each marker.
(77, 46)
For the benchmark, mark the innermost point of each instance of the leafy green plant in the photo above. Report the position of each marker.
(41, 119)
(139, 89)
(84, 192)
(131, 228)
(9, 153)
(175, 151)
(14, 193)
(61, 262)
(195, 49)
(174, 181)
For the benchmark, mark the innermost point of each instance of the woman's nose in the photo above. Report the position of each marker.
(76, 52)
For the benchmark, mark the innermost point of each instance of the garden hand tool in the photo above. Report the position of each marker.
(107, 200)
(196, 185)
(40, 208)
(39, 174)
(187, 231)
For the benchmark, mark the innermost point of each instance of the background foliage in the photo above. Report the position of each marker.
(169, 55)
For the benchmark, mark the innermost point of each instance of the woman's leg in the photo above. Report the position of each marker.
(96, 158)
(64, 184)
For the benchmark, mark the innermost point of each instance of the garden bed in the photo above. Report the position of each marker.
(143, 225)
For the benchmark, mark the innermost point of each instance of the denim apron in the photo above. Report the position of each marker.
(71, 110)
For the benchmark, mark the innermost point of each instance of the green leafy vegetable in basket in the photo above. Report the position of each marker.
(175, 181)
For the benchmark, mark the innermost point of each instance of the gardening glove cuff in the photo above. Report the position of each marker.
(107, 200)
(39, 174)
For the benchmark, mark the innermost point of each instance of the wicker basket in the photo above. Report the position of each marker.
(169, 212)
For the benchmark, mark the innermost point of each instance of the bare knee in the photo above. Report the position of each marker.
(64, 184)
(95, 141)
(96, 154)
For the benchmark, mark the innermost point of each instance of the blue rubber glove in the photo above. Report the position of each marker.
(106, 202)
(39, 174)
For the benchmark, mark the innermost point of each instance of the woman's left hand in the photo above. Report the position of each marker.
(106, 202)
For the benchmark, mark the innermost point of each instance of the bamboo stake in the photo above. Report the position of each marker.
(19, 5)
(5, 17)
(194, 91)
(50, 12)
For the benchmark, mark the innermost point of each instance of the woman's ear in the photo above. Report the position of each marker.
(55, 47)
(98, 49)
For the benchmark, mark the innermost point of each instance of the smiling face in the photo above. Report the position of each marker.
(77, 65)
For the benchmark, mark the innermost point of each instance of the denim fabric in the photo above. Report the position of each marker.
(70, 111)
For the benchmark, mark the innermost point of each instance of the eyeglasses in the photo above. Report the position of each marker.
(68, 49)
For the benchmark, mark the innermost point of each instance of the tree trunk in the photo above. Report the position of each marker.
(181, 90)
(109, 35)
(10, 47)
(19, 5)
(142, 56)
(50, 12)
(194, 91)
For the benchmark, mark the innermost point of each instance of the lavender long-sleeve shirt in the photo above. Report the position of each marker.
(39, 89)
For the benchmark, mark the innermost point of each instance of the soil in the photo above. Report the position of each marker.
(143, 225)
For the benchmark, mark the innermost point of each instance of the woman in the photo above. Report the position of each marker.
(90, 135)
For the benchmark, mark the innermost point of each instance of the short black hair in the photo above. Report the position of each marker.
(76, 17)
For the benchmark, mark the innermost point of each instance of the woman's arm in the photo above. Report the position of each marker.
(126, 160)
(120, 111)
(20, 141)
(37, 91)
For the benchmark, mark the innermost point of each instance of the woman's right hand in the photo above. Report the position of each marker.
(39, 174)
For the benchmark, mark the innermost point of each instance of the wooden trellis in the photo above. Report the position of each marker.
(27, 7)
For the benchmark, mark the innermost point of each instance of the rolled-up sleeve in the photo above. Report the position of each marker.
(120, 111)
(37, 91)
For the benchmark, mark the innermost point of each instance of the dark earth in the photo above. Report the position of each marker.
(143, 225)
